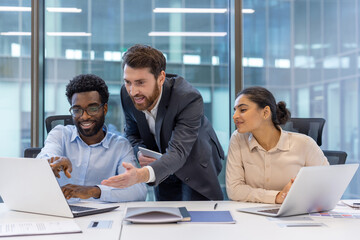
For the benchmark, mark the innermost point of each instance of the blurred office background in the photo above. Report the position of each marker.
(305, 51)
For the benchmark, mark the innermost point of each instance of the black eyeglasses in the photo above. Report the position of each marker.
(91, 110)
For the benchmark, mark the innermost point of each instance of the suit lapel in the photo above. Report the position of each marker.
(165, 98)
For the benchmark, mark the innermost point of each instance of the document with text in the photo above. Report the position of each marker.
(38, 228)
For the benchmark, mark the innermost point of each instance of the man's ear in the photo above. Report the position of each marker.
(105, 108)
(161, 78)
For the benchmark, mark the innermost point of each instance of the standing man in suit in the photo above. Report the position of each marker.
(164, 113)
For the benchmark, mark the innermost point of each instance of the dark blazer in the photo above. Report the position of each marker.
(185, 137)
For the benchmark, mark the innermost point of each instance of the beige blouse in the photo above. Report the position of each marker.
(256, 175)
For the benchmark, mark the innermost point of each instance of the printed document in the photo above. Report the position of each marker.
(38, 228)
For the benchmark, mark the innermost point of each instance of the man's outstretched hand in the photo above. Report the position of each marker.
(131, 176)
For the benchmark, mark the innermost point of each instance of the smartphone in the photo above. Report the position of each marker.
(149, 153)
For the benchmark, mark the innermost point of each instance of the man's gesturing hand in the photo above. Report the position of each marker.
(59, 164)
(131, 176)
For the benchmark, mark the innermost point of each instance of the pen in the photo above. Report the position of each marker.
(355, 205)
(215, 206)
(305, 225)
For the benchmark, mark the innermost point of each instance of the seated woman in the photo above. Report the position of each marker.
(263, 160)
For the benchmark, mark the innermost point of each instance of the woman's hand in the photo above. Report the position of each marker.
(280, 197)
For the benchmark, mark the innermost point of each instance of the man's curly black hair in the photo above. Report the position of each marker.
(87, 83)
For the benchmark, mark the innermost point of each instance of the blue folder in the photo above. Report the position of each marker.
(211, 217)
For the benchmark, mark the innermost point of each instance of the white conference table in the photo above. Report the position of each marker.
(248, 226)
(116, 216)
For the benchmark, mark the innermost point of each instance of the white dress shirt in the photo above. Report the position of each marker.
(151, 118)
(93, 163)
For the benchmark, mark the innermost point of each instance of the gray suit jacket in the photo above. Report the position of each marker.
(185, 137)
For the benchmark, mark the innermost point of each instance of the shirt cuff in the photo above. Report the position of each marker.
(104, 194)
(152, 177)
(270, 196)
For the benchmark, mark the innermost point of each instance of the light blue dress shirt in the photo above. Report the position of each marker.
(93, 163)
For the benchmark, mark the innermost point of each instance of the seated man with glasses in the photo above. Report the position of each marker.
(81, 156)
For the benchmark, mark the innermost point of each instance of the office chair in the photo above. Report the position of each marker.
(313, 127)
(53, 121)
(335, 157)
(50, 123)
(31, 152)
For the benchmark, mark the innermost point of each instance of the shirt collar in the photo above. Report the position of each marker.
(153, 111)
(105, 142)
(252, 142)
(284, 141)
(282, 145)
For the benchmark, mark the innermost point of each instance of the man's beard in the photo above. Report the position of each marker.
(99, 123)
(149, 101)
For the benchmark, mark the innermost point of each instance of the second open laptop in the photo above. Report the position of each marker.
(315, 189)
(29, 185)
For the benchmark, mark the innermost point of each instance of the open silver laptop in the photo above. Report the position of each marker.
(29, 185)
(315, 189)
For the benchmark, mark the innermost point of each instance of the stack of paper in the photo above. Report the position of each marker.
(38, 228)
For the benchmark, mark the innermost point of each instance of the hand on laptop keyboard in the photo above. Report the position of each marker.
(83, 192)
(280, 197)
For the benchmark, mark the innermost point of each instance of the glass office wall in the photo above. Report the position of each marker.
(91, 36)
(15, 95)
(307, 53)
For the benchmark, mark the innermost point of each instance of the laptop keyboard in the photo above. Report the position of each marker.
(79, 208)
(274, 210)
